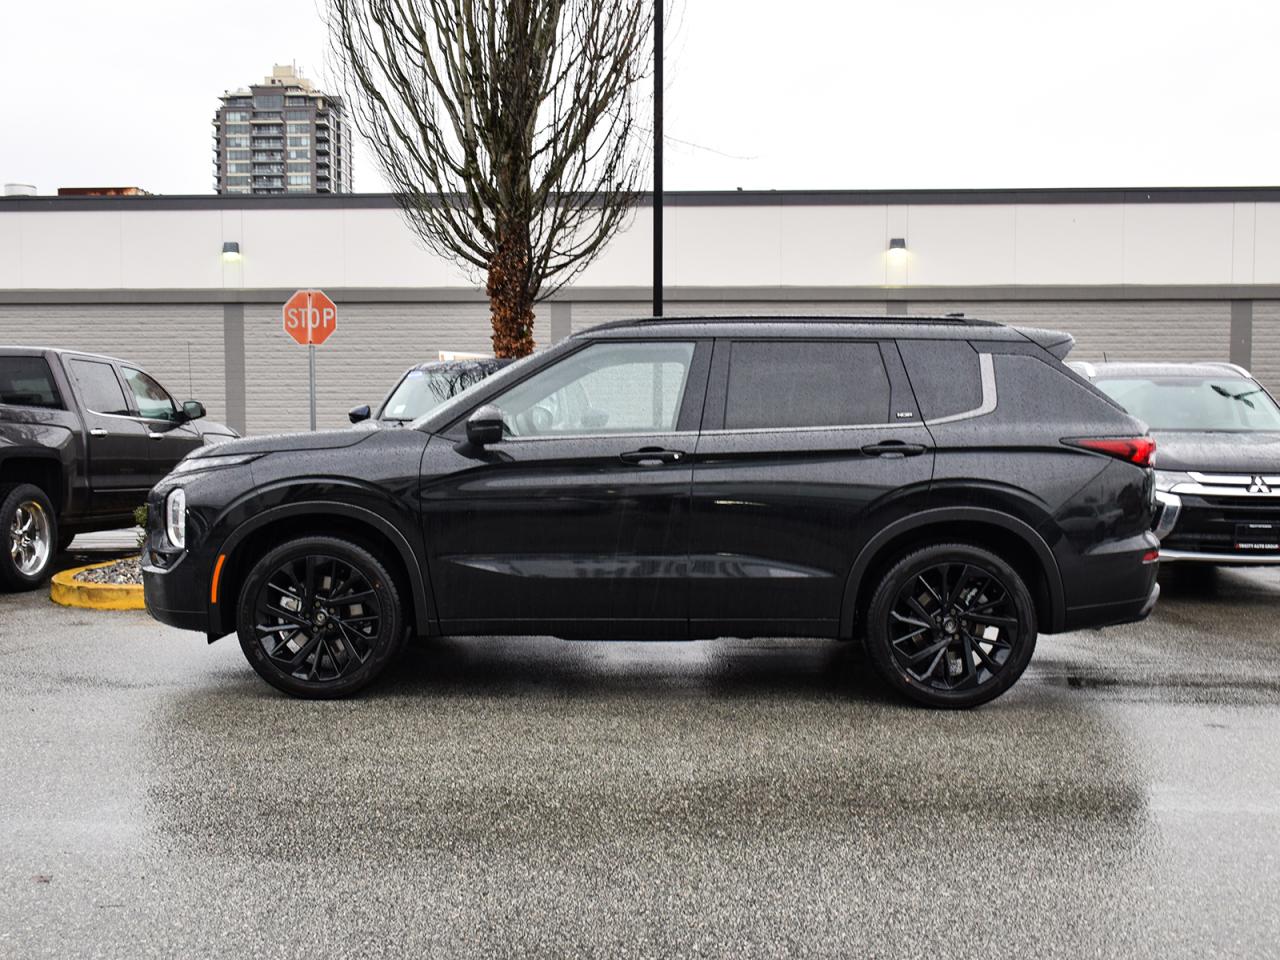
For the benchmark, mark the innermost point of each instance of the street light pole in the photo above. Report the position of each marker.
(657, 157)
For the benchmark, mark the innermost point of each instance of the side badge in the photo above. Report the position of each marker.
(905, 415)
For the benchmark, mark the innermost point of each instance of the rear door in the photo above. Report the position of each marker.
(807, 448)
(119, 457)
(171, 437)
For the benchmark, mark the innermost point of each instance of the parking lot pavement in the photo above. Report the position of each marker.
(744, 798)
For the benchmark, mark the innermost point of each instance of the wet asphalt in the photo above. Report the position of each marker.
(729, 798)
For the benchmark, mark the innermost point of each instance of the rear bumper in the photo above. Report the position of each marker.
(1111, 614)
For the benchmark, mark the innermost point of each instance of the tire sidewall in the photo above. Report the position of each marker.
(10, 497)
(391, 634)
(879, 646)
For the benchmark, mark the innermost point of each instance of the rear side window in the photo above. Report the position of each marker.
(803, 383)
(99, 387)
(944, 374)
(27, 382)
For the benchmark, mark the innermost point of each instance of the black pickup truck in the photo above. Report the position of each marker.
(83, 438)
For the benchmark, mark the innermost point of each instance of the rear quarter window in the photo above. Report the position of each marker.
(944, 374)
(28, 382)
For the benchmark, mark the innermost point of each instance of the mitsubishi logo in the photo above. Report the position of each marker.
(1258, 485)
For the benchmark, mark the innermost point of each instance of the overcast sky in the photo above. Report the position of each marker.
(840, 94)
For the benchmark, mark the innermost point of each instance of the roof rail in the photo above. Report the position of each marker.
(950, 319)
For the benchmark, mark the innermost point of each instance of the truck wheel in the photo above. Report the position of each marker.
(319, 617)
(30, 536)
(951, 625)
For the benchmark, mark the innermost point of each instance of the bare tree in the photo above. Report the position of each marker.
(509, 129)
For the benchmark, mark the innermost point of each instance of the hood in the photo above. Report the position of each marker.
(1244, 452)
(285, 443)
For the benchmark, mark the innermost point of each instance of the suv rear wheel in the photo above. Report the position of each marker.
(319, 617)
(951, 625)
(30, 536)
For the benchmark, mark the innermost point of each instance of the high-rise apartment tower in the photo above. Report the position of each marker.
(281, 136)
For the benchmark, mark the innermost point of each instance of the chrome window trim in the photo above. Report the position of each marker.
(600, 436)
(828, 429)
(989, 399)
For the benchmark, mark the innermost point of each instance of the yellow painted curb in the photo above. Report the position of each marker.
(71, 592)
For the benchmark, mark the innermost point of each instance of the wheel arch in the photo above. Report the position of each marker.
(1016, 541)
(364, 527)
(43, 470)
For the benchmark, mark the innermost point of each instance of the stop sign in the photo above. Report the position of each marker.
(310, 317)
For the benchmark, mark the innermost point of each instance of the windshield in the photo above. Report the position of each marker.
(459, 401)
(1195, 403)
(422, 390)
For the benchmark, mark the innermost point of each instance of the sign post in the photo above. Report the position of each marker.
(310, 317)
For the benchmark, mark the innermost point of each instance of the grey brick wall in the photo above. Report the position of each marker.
(156, 337)
(1266, 343)
(375, 342)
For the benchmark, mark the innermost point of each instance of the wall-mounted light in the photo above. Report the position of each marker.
(230, 251)
(898, 245)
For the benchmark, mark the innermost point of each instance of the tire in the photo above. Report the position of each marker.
(28, 536)
(924, 634)
(319, 655)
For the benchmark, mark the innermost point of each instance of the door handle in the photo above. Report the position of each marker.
(893, 449)
(97, 432)
(651, 456)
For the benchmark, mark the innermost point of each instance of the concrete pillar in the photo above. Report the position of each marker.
(1242, 333)
(233, 364)
(559, 320)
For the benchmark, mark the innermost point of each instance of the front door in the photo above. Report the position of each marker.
(803, 442)
(119, 457)
(576, 523)
(170, 438)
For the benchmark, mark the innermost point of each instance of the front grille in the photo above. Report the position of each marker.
(1208, 524)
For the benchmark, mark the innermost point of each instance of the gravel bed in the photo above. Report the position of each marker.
(127, 570)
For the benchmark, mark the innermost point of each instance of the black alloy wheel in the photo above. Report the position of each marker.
(319, 617)
(951, 626)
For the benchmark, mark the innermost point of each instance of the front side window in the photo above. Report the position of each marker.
(1195, 403)
(153, 400)
(99, 387)
(602, 389)
(27, 382)
(804, 383)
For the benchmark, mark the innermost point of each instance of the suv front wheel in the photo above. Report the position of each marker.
(951, 625)
(319, 617)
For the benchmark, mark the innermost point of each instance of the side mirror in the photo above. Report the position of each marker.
(192, 410)
(360, 413)
(485, 426)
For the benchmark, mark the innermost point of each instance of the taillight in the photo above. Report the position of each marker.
(1140, 451)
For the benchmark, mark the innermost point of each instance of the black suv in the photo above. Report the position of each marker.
(943, 488)
(1218, 482)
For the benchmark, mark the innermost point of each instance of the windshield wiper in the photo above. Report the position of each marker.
(1242, 397)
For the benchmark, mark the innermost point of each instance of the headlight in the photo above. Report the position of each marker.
(211, 463)
(175, 517)
(1167, 479)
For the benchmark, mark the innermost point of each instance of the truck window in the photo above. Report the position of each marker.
(27, 382)
(805, 383)
(99, 387)
(153, 401)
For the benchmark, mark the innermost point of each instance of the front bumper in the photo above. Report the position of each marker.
(171, 595)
